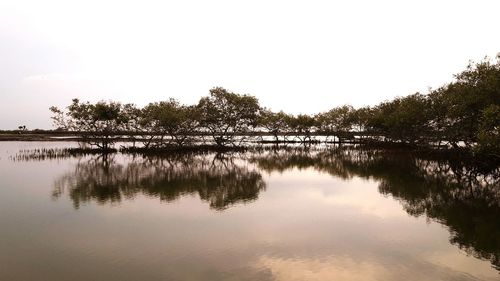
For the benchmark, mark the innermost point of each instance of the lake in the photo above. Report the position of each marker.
(331, 213)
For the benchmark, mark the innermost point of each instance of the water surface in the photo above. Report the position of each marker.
(293, 214)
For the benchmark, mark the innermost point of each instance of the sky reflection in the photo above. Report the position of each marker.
(304, 225)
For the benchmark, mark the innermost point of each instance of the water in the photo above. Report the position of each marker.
(329, 214)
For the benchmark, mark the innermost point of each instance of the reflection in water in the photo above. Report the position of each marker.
(462, 197)
(216, 178)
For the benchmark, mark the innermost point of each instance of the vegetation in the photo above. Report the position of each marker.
(276, 123)
(99, 121)
(169, 118)
(302, 126)
(462, 114)
(225, 115)
(22, 128)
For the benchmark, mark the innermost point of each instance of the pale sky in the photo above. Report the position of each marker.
(296, 56)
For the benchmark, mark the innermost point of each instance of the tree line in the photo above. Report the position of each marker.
(462, 113)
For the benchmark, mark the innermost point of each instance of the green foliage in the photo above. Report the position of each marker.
(98, 122)
(454, 113)
(458, 107)
(277, 123)
(461, 113)
(302, 125)
(405, 119)
(173, 119)
(225, 114)
(338, 119)
(489, 131)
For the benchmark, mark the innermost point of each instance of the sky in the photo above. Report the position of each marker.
(296, 56)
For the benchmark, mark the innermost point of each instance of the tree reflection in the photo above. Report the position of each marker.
(462, 196)
(216, 178)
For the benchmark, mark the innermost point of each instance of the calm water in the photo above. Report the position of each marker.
(286, 215)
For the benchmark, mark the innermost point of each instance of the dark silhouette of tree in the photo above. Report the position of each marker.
(489, 131)
(98, 122)
(463, 113)
(276, 123)
(302, 126)
(338, 119)
(225, 115)
(404, 119)
(22, 129)
(172, 119)
(458, 107)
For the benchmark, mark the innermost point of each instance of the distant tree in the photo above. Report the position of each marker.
(458, 107)
(360, 118)
(438, 111)
(275, 123)
(476, 89)
(22, 128)
(96, 122)
(489, 131)
(403, 119)
(138, 124)
(225, 115)
(461, 113)
(170, 118)
(337, 120)
(302, 125)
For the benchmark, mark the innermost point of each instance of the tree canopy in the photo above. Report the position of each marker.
(462, 113)
(225, 114)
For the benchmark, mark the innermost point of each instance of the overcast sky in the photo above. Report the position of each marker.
(297, 56)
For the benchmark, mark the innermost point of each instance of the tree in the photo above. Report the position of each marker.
(138, 123)
(338, 120)
(489, 131)
(402, 119)
(461, 113)
(302, 125)
(171, 118)
(22, 128)
(225, 115)
(97, 123)
(360, 118)
(275, 123)
(476, 88)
